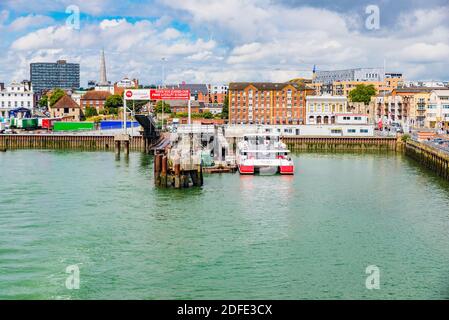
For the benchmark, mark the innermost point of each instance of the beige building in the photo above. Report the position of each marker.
(437, 111)
(67, 109)
(342, 88)
(323, 109)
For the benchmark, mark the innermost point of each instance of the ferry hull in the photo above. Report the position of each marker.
(287, 170)
(246, 169)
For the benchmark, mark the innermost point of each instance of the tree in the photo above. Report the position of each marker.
(43, 102)
(113, 103)
(362, 93)
(56, 95)
(158, 107)
(90, 112)
(225, 110)
(208, 115)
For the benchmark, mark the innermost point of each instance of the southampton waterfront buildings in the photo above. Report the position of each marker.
(16, 95)
(48, 75)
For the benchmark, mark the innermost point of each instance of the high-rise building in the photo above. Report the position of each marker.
(48, 75)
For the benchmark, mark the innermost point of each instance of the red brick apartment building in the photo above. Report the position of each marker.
(212, 97)
(268, 103)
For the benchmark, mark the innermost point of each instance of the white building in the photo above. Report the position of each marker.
(428, 84)
(127, 83)
(16, 95)
(335, 130)
(437, 111)
(217, 88)
(352, 118)
(323, 109)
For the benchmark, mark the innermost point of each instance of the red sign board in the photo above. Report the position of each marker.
(169, 94)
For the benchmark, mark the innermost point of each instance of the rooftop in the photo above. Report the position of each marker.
(267, 85)
(65, 102)
(96, 95)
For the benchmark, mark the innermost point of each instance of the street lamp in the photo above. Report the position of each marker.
(163, 79)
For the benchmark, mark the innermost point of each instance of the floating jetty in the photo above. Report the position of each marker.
(192, 151)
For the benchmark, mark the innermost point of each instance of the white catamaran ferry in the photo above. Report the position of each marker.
(263, 153)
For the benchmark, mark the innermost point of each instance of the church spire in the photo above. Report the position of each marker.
(103, 79)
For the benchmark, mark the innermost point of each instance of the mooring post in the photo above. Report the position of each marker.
(126, 147)
(164, 172)
(117, 147)
(177, 168)
(157, 169)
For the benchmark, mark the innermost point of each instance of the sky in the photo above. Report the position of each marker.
(219, 41)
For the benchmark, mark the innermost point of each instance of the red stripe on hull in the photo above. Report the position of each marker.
(246, 169)
(287, 169)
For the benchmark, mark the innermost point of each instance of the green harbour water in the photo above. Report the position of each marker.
(309, 236)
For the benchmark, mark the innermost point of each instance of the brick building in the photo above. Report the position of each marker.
(268, 103)
(94, 99)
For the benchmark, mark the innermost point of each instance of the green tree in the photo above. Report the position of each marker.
(207, 115)
(225, 110)
(43, 102)
(158, 107)
(113, 103)
(362, 93)
(56, 95)
(90, 112)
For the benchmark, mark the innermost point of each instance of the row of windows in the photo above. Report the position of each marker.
(16, 94)
(338, 131)
(349, 118)
(16, 104)
(66, 110)
(97, 102)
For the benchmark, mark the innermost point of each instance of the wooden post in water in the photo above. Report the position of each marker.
(117, 148)
(126, 147)
(164, 172)
(177, 168)
(157, 169)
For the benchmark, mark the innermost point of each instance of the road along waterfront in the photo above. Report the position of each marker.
(306, 236)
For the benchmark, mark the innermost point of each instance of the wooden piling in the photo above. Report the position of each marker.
(177, 178)
(163, 183)
(157, 169)
(117, 148)
(126, 147)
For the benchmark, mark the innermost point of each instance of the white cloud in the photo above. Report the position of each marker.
(111, 23)
(425, 53)
(29, 21)
(236, 40)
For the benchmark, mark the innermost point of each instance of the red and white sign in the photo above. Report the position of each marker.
(137, 94)
(169, 94)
